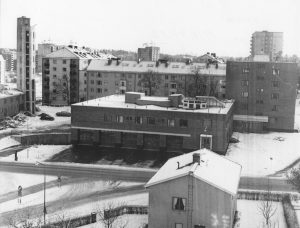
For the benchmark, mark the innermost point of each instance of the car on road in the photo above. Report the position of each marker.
(63, 113)
(44, 116)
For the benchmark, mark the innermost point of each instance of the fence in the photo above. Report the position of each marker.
(125, 210)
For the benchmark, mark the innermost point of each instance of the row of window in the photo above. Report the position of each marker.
(246, 82)
(55, 61)
(148, 120)
(274, 107)
(275, 71)
(64, 69)
(274, 96)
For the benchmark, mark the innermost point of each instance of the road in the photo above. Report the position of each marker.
(127, 174)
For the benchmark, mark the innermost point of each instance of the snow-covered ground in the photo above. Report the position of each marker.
(36, 153)
(264, 154)
(9, 182)
(251, 216)
(7, 142)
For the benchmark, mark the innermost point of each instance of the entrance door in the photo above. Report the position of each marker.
(206, 141)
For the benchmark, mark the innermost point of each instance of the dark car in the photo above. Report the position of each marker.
(45, 116)
(63, 113)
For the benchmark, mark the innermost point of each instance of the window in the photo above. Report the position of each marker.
(171, 122)
(173, 85)
(99, 90)
(178, 225)
(166, 77)
(64, 61)
(54, 75)
(85, 82)
(259, 90)
(244, 94)
(246, 70)
(138, 120)
(120, 119)
(173, 77)
(54, 90)
(275, 96)
(99, 82)
(129, 118)
(54, 68)
(276, 71)
(166, 85)
(275, 84)
(260, 78)
(275, 108)
(259, 101)
(150, 120)
(183, 123)
(54, 83)
(245, 82)
(64, 69)
(179, 204)
(107, 118)
(99, 75)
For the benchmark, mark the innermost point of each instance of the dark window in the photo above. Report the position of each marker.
(99, 75)
(275, 96)
(166, 77)
(99, 82)
(259, 101)
(150, 120)
(138, 120)
(173, 86)
(99, 90)
(54, 68)
(129, 118)
(275, 84)
(275, 108)
(183, 123)
(179, 204)
(64, 69)
(64, 61)
(107, 118)
(260, 78)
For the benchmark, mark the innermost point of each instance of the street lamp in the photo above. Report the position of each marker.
(45, 210)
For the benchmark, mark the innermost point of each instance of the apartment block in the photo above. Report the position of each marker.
(264, 94)
(173, 123)
(43, 50)
(149, 53)
(160, 78)
(2, 70)
(64, 73)
(26, 61)
(10, 56)
(267, 43)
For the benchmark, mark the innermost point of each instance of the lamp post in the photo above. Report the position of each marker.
(45, 209)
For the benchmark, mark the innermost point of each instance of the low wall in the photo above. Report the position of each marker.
(48, 138)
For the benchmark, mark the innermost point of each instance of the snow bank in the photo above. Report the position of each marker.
(7, 142)
(37, 153)
(263, 154)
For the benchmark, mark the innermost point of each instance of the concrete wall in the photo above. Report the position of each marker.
(209, 205)
(51, 139)
(11, 105)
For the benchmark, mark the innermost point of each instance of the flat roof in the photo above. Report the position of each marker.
(118, 101)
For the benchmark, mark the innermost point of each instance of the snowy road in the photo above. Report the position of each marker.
(127, 174)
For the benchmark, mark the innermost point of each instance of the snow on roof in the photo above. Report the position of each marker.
(145, 66)
(118, 101)
(214, 169)
(77, 53)
(8, 93)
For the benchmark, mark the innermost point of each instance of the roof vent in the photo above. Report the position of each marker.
(196, 158)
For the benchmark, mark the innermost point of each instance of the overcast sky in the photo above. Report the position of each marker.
(185, 27)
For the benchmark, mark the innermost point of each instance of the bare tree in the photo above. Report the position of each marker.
(109, 214)
(293, 178)
(26, 218)
(267, 208)
(62, 220)
(150, 81)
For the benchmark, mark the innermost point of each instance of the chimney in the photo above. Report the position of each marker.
(196, 158)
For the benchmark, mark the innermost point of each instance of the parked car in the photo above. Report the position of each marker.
(45, 116)
(63, 113)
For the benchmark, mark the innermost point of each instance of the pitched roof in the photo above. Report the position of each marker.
(214, 169)
(77, 53)
(145, 66)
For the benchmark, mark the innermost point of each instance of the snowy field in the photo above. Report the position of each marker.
(251, 216)
(36, 153)
(264, 154)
